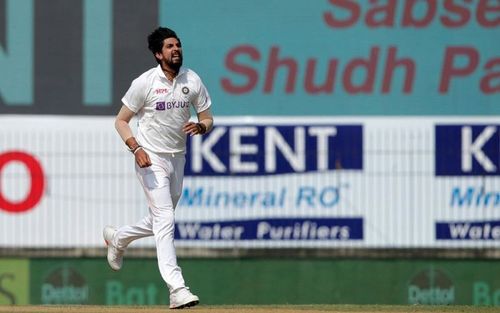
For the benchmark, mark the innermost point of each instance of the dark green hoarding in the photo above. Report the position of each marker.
(270, 281)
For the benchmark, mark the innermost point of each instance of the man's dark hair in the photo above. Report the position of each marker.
(155, 39)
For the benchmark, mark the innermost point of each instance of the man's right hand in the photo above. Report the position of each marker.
(142, 158)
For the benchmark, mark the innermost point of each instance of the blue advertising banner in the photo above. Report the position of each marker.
(273, 229)
(467, 150)
(476, 230)
(230, 150)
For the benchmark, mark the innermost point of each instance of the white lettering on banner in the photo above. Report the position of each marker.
(322, 133)
(474, 196)
(305, 230)
(203, 150)
(475, 232)
(473, 149)
(274, 143)
(237, 149)
(274, 140)
(209, 232)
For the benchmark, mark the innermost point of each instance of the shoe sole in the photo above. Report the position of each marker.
(187, 305)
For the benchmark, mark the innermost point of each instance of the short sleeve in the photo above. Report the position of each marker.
(203, 101)
(135, 96)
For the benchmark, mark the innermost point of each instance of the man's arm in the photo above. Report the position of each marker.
(122, 123)
(123, 128)
(204, 125)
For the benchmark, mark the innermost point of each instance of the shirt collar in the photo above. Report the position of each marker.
(182, 70)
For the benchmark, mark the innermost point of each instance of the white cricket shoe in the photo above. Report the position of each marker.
(115, 255)
(183, 298)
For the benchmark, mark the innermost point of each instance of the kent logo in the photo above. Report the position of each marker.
(268, 150)
(467, 150)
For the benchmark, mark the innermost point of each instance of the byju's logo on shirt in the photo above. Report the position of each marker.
(160, 106)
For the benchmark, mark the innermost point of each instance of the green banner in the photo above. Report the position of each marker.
(91, 281)
(14, 281)
(270, 281)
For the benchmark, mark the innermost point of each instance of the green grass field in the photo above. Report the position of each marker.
(252, 309)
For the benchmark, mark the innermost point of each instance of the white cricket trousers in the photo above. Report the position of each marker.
(162, 183)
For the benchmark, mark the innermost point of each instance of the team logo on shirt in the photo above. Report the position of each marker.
(160, 106)
(185, 90)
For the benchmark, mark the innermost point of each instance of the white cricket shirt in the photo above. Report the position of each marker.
(163, 107)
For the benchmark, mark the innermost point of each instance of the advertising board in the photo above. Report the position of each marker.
(262, 182)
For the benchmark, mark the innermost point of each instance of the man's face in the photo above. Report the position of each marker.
(171, 53)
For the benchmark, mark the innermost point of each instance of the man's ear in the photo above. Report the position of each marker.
(158, 55)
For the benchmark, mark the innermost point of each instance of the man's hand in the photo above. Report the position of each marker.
(192, 128)
(142, 158)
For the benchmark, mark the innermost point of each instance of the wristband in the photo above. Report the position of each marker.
(134, 151)
(202, 129)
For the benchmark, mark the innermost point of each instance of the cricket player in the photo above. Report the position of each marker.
(161, 98)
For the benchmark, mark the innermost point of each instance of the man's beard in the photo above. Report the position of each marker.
(176, 65)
